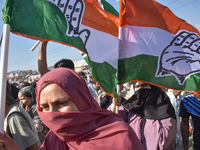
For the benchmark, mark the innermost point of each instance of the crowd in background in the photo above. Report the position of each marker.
(69, 110)
(24, 90)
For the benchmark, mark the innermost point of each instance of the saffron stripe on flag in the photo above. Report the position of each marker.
(157, 47)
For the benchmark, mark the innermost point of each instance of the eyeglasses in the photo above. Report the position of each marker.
(144, 85)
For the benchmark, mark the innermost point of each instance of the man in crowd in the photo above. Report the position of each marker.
(190, 107)
(175, 98)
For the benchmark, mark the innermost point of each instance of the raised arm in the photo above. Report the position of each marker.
(42, 60)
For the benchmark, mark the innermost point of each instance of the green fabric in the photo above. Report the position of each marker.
(109, 8)
(145, 67)
(105, 75)
(38, 19)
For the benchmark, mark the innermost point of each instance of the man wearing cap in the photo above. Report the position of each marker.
(18, 124)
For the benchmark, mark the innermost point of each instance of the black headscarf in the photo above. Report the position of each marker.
(150, 104)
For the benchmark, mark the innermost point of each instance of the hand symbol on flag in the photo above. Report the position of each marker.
(73, 12)
(181, 58)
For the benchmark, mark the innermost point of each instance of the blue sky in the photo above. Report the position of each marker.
(20, 56)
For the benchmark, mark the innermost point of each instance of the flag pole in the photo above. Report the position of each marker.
(34, 46)
(101, 4)
(119, 94)
(3, 72)
(1, 38)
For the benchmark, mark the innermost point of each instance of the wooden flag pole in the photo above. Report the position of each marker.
(3, 72)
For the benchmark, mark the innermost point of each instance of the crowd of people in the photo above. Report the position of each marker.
(65, 110)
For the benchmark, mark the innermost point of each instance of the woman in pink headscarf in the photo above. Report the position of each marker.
(75, 120)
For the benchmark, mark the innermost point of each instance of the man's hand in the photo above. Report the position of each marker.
(117, 101)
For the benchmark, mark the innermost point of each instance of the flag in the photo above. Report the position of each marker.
(79, 23)
(106, 6)
(157, 47)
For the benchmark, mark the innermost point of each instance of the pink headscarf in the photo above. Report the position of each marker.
(91, 128)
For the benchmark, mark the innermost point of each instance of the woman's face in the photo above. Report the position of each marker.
(142, 85)
(52, 98)
(25, 100)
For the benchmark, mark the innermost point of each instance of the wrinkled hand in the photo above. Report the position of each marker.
(73, 11)
(181, 58)
(7, 143)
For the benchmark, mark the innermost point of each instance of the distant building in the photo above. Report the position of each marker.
(81, 65)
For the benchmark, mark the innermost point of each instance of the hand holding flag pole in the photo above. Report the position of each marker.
(118, 93)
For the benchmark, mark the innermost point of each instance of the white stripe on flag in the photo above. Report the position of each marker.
(102, 47)
(143, 40)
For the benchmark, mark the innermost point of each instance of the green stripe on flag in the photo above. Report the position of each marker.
(108, 7)
(87, 59)
(40, 19)
(105, 74)
(144, 67)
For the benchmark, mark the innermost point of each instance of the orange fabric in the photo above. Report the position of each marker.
(95, 2)
(197, 94)
(99, 19)
(139, 12)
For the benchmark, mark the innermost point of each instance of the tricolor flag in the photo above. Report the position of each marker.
(79, 23)
(157, 47)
